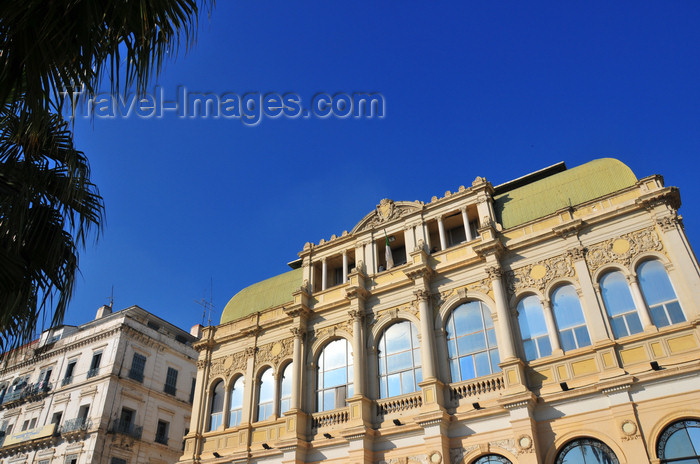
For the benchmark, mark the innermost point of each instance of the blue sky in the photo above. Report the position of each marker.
(493, 89)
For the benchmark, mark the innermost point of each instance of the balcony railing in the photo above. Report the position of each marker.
(66, 381)
(136, 375)
(93, 372)
(170, 389)
(73, 425)
(126, 428)
(28, 391)
(162, 440)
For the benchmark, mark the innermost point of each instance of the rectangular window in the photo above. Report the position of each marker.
(95, 365)
(83, 413)
(68, 378)
(138, 364)
(117, 461)
(162, 432)
(9, 429)
(32, 424)
(25, 426)
(44, 377)
(56, 418)
(171, 381)
(194, 384)
(72, 459)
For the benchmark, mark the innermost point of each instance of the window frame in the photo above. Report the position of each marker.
(416, 368)
(321, 373)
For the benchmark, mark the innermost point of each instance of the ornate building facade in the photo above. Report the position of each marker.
(116, 390)
(551, 319)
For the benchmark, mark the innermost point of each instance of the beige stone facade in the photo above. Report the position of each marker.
(116, 390)
(554, 314)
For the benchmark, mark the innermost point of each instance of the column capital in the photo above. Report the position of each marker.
(463, 209)
(632, 278)
(250, 351)
(577, 253)
(356, 315)
(494, 272)
(421, 295)
(297, 332)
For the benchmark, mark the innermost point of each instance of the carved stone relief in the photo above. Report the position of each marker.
(411, 308)
(227, 365)
(623, 249)
(331, 330)
(387, 210)
(457, 454)
(538, 275)
(274, 352)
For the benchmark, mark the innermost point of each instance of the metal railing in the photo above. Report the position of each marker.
(27, 391)
(170, 389)
(79, 423)
(126, 428)
(163, 440)
(93, 372)
(66, 381)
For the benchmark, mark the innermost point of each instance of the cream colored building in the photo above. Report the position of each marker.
(117, 390)
(551, 319)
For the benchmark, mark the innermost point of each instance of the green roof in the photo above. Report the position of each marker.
(568, 188)
(262, 295)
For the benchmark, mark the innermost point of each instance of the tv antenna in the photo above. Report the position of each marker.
(207, 305)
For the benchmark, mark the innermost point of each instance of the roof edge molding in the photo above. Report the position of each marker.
(387, 210)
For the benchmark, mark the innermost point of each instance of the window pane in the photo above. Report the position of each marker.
(674, 310)
(654, 282)
(329, 400)
(531, 317)
(237, 393)
(491, 334)
(397, 337)
(419, 375)
(495, 359)
(483, 366)
(467, 318)
(567, 340)
(633, 323)
(545, 346)
(394, 384)
(471, 343)
(618, 327)
(267, 387)
(217, 401)
(334, 354)
(616, 293)
(466, 364)
(408, 383)
(454, 370)
(582, 336)
(334, 378)
(658, 316)
(567, 307)
(416, 357)
(286, 387)
(530, 350)
(398, 362)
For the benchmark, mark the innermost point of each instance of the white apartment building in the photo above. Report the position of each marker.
(115, 390)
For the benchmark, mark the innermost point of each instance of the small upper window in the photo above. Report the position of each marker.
(619, 305)
(659, 294)
(569, 318)
(138, 364)
(171, 382)
(492, 459)
(533, 328)
(471, 342)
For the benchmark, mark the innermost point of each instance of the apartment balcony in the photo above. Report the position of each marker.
(66, 381)
(126, 428)
(30, 392)
(162, 440)
(93, 372)
(79, 424)
(170, 389)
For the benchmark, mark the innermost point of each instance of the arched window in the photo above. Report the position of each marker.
(286, 389)
(659, 295)
(236, 402)
(533, 329)
(334, 380)
(586, 451)
(492, 459)
(217, 406)
(399, 360)
(266, 395)
(680, 442)
(569, 318)
(471, 342)
(619, 305)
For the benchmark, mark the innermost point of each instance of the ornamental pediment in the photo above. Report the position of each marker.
(386, 211)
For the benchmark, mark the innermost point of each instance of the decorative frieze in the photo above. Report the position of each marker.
(227, 365)
(623, 249)
(539, 274)
(274, 352)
